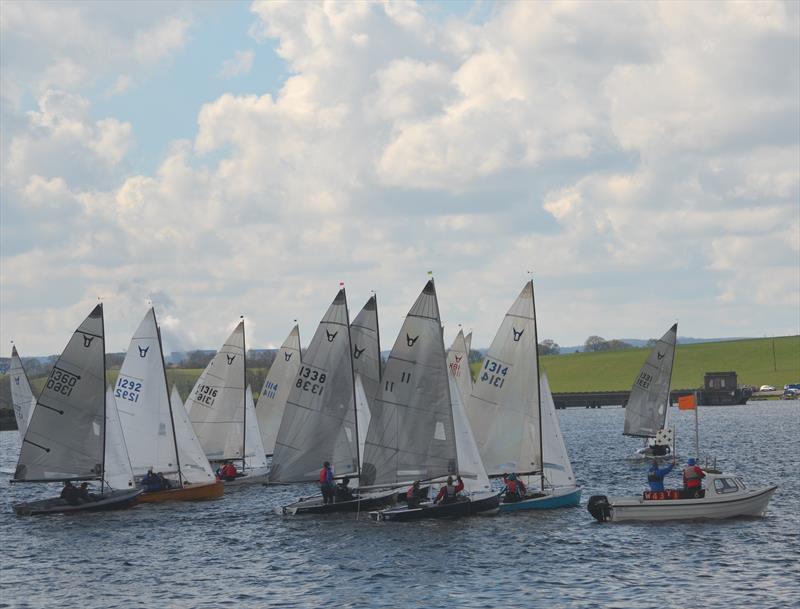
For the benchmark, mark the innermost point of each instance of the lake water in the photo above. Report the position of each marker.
(236, 552)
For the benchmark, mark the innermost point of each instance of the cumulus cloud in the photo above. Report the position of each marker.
(640, 159)
(241, 63)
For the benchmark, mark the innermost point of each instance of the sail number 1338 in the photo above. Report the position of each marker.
(311, 380)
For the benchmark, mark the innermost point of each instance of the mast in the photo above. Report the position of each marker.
(353, 381)
(378, 332)
(447, 372)
(244, 396)
(105, 403)
(671, 367)
(538, 384)
(169, 402)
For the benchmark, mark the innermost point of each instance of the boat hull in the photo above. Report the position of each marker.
(115, 500)
(559, 498)
(314, 505)
(256, 476)
(632, 509)
(192, 492)
(465, 507)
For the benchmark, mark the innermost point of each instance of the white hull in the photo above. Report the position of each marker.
(258, 475)
(752, 503)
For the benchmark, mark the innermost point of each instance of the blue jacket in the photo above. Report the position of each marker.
(655, 477)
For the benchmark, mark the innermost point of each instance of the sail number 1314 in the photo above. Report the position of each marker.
(494, 373)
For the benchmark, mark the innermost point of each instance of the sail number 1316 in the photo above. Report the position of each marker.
(494, 373)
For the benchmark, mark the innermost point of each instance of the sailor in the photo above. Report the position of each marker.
(151, 482)
(326, 483)
(70, 494)
(449, 492)
(515, 489)
(655, 476)
(83, 493)
(343, 490)
(228, 472)
(413, 495)
(693, 478)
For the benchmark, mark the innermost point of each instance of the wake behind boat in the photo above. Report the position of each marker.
(725, 496)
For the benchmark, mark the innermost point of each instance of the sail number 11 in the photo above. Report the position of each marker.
(494, 373)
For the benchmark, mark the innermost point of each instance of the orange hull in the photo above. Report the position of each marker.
(193, 492)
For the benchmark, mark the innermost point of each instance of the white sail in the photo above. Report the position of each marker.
(143, 403)
(318, 422)
(411, 435)
(64, 439)
(21, 395)
(504, 407)
(458, 364)
(118, 472)
(647, 405)
(216, 403)
(557, 466)
(468, 342)
(195, 468)
(272, 401)
(470, 465)
(367, 350)
(362, 415)
(256, 457)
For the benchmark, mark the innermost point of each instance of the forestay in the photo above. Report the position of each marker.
(503, 408)
(195, 467)
(272, 401)
(216, 402)
(458, 364)
(64, 439)
(647, 405)
(254, 448)
(411, 435)
(367, 350)
(21, 395)
(319, 420)
(143, 403)
(557, 466)
(118, 472)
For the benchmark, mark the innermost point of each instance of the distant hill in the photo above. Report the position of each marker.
(638, 342)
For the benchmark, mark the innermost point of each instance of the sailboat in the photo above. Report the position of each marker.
(646, 410)
(157, 431)
(21, 395)
(74, 432)
(367, 366)
(419, 430)
(272, 400)
(218, 410)
(513, 417)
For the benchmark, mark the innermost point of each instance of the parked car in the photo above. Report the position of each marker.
(767, 388)
(791, 391)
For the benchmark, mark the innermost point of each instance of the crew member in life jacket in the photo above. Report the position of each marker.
(693, 478)
(515, 489)
(449, 492)
(151, 482)
(414, 495)
(326, 483)
(655, 476)
(228, 472)
(343, 490)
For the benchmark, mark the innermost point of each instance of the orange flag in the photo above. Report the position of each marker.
(687, 402)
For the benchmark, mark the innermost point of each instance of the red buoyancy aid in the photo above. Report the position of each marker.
(512, 487)
(692, 476)
(323, 475)
(410, 492)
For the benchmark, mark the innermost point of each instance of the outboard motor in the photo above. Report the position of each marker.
(599, 508)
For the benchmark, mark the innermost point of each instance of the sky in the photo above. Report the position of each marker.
(639, 160)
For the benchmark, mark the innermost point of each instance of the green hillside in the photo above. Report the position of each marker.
(752, 360)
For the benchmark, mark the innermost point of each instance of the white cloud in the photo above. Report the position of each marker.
(241, 63)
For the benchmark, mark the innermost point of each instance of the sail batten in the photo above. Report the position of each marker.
(646, 409)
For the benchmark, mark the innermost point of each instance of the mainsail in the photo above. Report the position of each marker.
(272, 401)
(367, 349)
(557, 467)
(118, 473)
(143, 403)
(504, 407)
(468, 342)
(65, 435)
(411, 434)
(318, 422)
(195, 467)
(216, 404)
(255, 455)
(458, 363)
(647, 405)
(21, 395)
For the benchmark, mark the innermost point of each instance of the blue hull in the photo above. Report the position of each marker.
(571, 499)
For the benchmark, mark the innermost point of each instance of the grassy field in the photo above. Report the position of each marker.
(615, 370)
